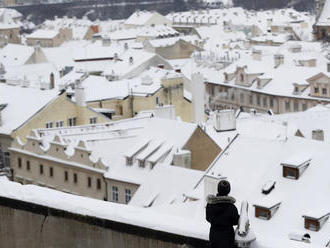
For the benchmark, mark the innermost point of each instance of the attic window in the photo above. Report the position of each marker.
(142, 163)
(129, 161)
(294, 168)
(266, 211)
(315, 223)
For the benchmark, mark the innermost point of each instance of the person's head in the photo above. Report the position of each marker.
(223, 188)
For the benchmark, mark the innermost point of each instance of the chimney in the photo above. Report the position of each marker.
(318, 134)
(211, 184)
(198, 94)
(80, 95)
(52, 81)
(278, 60)
(165, 112)
(106, 41)
(257, 54)
(182, 158)
(225, 120)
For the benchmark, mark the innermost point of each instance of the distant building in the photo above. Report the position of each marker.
(322, 26)
(146, 18)
(49, 38)
(23, 109)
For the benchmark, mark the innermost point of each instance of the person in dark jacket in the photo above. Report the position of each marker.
(222, 215)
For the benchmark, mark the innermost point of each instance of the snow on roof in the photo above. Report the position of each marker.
(248, 169)
(22, 104)
(282, 77)
(142, 18)
(96, 51)
(99, 88)
(159, 183)
(34, 74)
(324, 19)
(14, 55)
(317, 118)
(164, 42)
(145, 31)
(43, 34)
(148, 218)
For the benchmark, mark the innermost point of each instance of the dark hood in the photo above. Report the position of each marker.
(212, 199)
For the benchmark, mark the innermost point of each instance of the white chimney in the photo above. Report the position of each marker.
(182, 158)
(225, 120)
(278, 60)
(80, 96)
(318, 134)
(211, 184)
(165, 112)
(198, 92)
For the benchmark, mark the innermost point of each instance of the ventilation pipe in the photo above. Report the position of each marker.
(80, 95)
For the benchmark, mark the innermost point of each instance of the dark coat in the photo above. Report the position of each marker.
(223, 215)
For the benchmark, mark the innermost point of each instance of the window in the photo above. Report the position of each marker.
(114, 193)
(271, 102)
(129, 161)
(49, 125)
(265, 101)
(295, 106)
(304, 106)
(258, 100)
(51, 171)
(157, 100)
(141, 163)
(324, 91)
(212, 90)
(266, 212)
(7, 159)
(251, 99)
(72, 121)
(287, 105)
(19, 163)
(66, 176)
(28, 165)
(128, 195)
(60, 124)
(296, 89)
(233, 96)
(316, 90)
(98, 183)
(93, 120)
(315, 223)
(89, 182)
(242, 78)
(75, 178)
(241, 97)
(41, 169)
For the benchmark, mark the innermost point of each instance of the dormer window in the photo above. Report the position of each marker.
(315, 223)
(129, 161)
(142, 163)
(266, 210)
(242, 78)
(293, 168)
(316, 90)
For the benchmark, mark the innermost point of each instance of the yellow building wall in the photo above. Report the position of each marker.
(57, 181)
(61, 109)
(183, 108)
